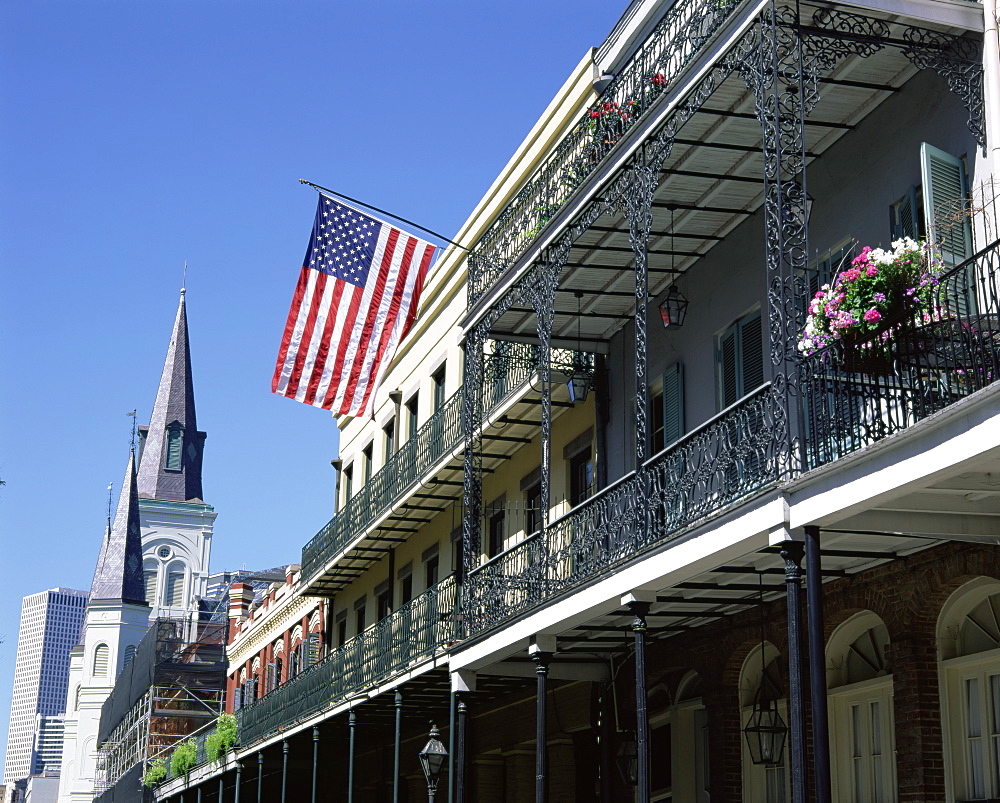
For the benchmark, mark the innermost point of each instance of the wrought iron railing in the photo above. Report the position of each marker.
(725, 460)
(653, 69)
(509, 367)
(410, 634)
(858, 393)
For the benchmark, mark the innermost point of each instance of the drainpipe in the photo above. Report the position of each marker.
(991, 71)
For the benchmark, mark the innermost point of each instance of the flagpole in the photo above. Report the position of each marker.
(382, 212)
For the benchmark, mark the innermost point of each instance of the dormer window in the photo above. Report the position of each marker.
(175, 440)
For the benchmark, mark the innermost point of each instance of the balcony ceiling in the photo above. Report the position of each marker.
(711, 183)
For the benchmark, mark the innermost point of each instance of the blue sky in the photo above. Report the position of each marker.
(138, 134)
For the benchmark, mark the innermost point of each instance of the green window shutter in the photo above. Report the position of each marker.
(673, 403)
(905, 216)
(943, 177)
(313, 652)
(752, 354)
(728, 367)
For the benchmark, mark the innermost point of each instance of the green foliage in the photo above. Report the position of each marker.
(156, 772)
(222, 739)
(184, 757)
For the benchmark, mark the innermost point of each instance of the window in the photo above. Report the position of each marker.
(348, 483)
(411, 416)
(382, 607)
(341, 625)
(741, 359)
(175, 589)
(313, 648)
(667, 408)
(175, 443)
(862, 732)
(293, 663)
(101, 654)
(533, 509)
(945, 204)
(359, 616)
(149, 578)
(970, 648)
(389, 431)
(278, 679)
(437, 381)
(495, 529)
(406, 583)
(129, 654)
(769, 782)
(367, 454)
(430, 558)
(581, 477)
(906, 216)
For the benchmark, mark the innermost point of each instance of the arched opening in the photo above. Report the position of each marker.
(969, 648)
(100, 664)
(762, 683)
(862, 729)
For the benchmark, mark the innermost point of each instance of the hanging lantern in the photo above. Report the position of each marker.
(673, 310)
(627, 759)
(582, 377)
(765, 734)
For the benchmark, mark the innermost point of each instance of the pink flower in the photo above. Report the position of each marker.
(851, 274)
(871, 270)
(873, 316)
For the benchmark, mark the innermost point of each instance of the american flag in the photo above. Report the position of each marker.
(356, 298)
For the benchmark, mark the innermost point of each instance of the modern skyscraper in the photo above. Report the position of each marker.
(50, 627)
(46, 750)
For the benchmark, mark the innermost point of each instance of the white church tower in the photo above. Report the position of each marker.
(117, 618)
(154, 560)
(176, 522)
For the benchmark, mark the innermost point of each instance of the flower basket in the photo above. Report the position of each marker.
(867, 306)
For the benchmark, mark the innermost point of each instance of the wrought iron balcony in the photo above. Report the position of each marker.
(727, 459)
(508, 368)
(656, 65)
(412, 633)
(859, 393)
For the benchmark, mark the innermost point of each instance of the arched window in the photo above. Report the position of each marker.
(969, 646)
(76, 699)
(862, 743)
(101, 661)
(175, 586)
(762, 683)
(149, 575)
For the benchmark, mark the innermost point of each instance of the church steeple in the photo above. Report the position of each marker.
(170, 456)
(119, 567)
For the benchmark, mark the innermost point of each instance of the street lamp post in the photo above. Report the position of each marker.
(432, 759)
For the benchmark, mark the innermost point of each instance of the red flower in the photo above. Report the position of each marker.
(658, 79)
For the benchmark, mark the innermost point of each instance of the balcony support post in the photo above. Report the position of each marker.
(776, 77)
(792, 551)
(260, 776)
(463, 683)
(221, 786)
(352, 721)
(605, 732)
(284, 770)
(462, 716)
(639, 609)
(398, 703)
(315, 774)
(472, 411)
(817, 665)
(541, 657)
(239, 780)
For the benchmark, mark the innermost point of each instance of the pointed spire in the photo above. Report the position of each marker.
(170, 466)
(119, 567)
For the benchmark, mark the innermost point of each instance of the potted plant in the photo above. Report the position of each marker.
(222, 738)
(184, 757)
(866, 303)
(155, 774)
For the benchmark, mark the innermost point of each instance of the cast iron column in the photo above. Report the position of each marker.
(817, 665)
(284, 769)
(395, 750)
(260, 777)
(239, 780)
(221, 788)
(791, 551)
(352, 721)
(315, 761)
(639, 610)
(605, 731)
(463, 712)
(541, 660)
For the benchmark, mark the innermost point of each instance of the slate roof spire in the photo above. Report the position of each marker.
(119, 567)
(171, 446)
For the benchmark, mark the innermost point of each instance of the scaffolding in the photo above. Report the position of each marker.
(174, 686)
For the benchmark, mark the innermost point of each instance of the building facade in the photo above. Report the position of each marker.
(50, 627)
(620, 525)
